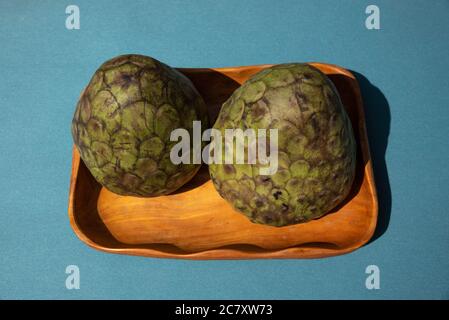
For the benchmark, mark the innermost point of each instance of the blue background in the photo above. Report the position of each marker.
(403, 69)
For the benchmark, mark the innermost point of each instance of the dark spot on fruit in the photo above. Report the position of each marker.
(307, 76)
(277, 194)
(125, 80)
(284, 207)
(258, 111)
(314, 123)
(259, 203)
(96, 126)
(229, 169)
(266, 179)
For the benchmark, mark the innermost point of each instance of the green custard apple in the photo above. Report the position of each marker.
(123, 122)
(316, 146)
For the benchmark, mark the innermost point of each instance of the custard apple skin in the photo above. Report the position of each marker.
(123, 121)
(316, 146)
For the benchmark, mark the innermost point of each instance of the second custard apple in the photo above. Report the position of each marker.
(123, 122)
(316, 146)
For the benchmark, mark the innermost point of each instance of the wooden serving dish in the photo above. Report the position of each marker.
(196, 223)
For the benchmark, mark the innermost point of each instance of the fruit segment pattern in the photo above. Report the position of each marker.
(123, 122)
(316, 146)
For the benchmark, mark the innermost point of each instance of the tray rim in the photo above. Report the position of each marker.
(296, 252)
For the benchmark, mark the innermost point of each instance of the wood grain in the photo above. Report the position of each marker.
(196, 223)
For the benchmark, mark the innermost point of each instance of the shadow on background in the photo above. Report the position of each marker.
(378, 118)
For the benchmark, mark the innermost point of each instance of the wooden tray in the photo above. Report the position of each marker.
(196, 223)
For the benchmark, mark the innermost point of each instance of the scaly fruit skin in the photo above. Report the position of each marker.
(123, 121)
(316, 146)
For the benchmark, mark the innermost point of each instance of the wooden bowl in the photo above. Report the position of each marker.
(196, 223)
